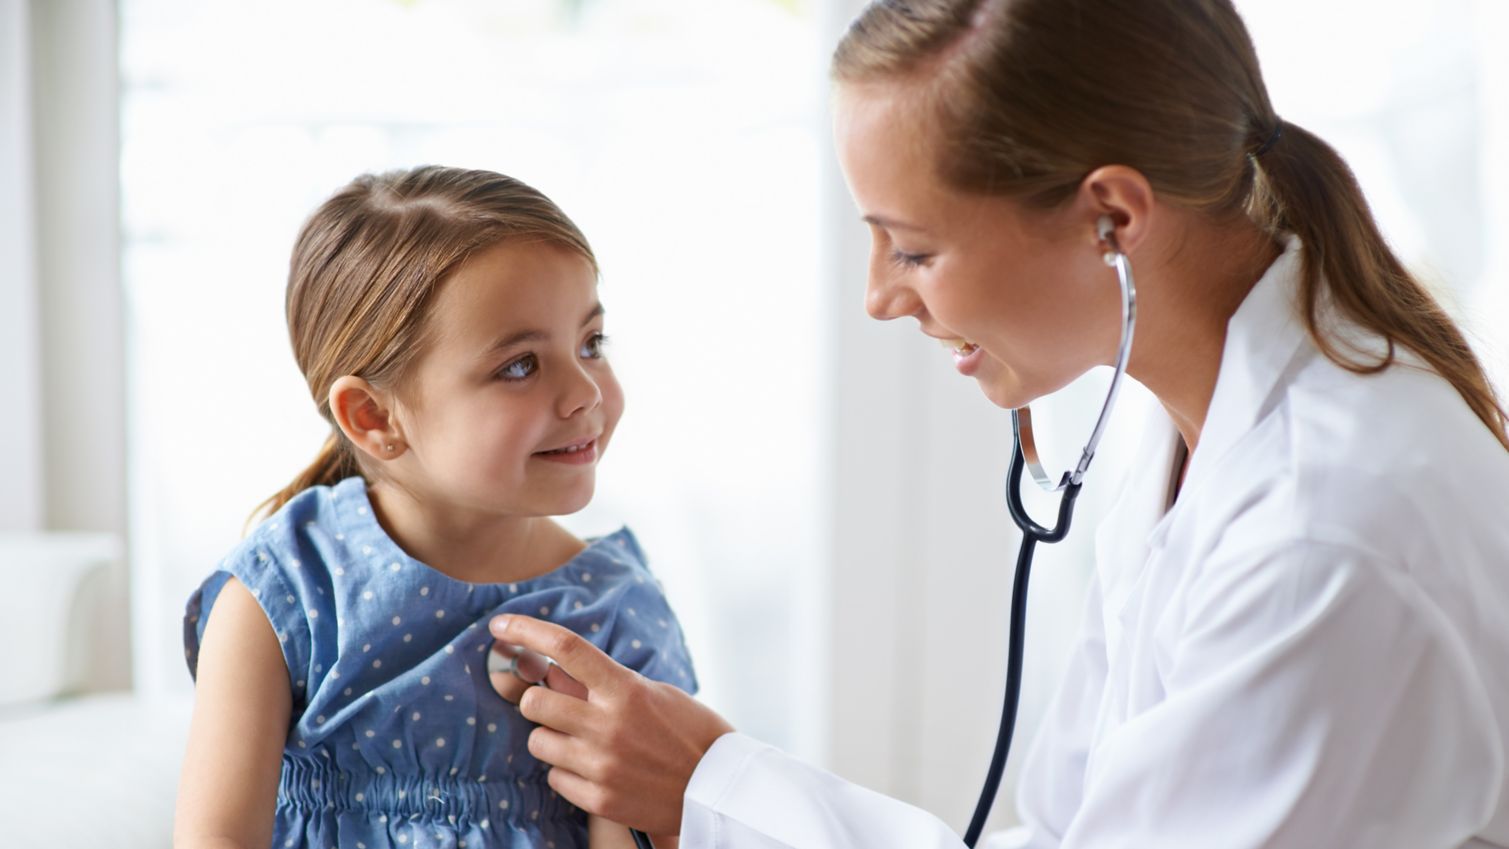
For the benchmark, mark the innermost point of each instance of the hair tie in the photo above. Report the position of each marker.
(1278, 130)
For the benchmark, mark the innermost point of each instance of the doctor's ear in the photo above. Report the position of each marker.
(1123, 196)
(365, 414)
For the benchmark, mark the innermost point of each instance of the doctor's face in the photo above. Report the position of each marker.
(1018, 296)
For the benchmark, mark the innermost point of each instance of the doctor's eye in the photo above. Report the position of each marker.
(519, 369)
(902, 259)
(592, 349)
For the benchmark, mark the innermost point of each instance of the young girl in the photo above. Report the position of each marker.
(447, 323)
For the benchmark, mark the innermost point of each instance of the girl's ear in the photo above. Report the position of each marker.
(365, 415)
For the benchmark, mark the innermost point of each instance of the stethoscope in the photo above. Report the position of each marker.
(1025, 456)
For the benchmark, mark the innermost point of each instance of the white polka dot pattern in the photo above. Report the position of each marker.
(394, 721)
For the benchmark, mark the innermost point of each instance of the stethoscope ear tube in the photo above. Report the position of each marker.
(1021, 419)
(1032, 534)
(1025, 456)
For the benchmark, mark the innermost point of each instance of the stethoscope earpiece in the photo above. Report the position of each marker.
(1105, 229)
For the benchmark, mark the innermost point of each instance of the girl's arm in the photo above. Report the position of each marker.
(607, 834)
(228, 788)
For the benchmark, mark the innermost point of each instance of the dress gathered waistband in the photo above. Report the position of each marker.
(312, 786)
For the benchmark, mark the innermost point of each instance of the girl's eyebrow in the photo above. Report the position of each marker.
(531, 335)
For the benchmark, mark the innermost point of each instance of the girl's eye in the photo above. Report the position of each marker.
(902, 259)
(592, 349)
(519, 369)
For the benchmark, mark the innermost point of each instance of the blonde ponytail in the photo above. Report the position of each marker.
(332, 465)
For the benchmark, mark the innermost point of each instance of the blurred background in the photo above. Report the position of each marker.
(819, 493)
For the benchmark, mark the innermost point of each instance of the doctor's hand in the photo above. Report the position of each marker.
(619, 745)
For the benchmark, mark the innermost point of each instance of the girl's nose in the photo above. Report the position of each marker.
(885, 297)
(580, 393)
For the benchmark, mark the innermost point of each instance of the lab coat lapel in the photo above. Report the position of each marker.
(1263, 338)
(1122, 541)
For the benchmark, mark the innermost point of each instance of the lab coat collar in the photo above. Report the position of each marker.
(1264, 341)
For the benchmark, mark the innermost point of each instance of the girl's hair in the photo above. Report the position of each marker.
(1030, 96)
(366, 267)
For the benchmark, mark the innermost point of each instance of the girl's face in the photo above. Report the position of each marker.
(512, 403)
(1021, 297)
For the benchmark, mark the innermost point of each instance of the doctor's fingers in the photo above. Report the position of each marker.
(584, 662)
(648, 806)
(626, 810)
(557, 680)
(559, 711)
(512, 670)
(564, 751)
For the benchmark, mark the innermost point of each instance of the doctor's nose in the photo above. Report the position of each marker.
(886, 299)
(886, 294)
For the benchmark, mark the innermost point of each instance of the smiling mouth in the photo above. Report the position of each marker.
(961, 348)
(573, 448)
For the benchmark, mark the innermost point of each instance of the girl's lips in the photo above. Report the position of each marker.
(968, 361)
(578, 454)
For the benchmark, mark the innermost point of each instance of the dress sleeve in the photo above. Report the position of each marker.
(1314, 697)
(1052, 780)
(255, 567)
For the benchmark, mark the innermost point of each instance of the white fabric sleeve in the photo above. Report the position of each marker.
(1052, 780)
(748, 795)
(1315, 696)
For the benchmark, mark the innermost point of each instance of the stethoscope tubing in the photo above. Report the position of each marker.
(1024, 457)
(1032, 534)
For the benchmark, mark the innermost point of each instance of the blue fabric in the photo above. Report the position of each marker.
(397, 738)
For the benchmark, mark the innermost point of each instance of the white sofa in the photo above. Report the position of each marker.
(86, 769)
(93, 771)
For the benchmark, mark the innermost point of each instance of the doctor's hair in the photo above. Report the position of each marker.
(1027, 97)
(365, 270)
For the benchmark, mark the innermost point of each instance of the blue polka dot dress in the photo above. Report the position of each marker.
(398, 740)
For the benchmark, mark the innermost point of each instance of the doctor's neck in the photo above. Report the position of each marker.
(1193, 272)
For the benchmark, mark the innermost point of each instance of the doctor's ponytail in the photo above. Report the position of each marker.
(1029, 96)
(366, 267)
(1304, 187)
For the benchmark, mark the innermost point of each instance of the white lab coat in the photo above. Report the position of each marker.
(1309, 650)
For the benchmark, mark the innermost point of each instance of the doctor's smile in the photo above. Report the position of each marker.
(1293, 630)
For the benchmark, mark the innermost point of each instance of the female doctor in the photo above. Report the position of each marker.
(1298, 632)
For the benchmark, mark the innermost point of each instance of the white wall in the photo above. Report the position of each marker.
(60, 305)
(1489, 293)
(20, 377)
(79, 259)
